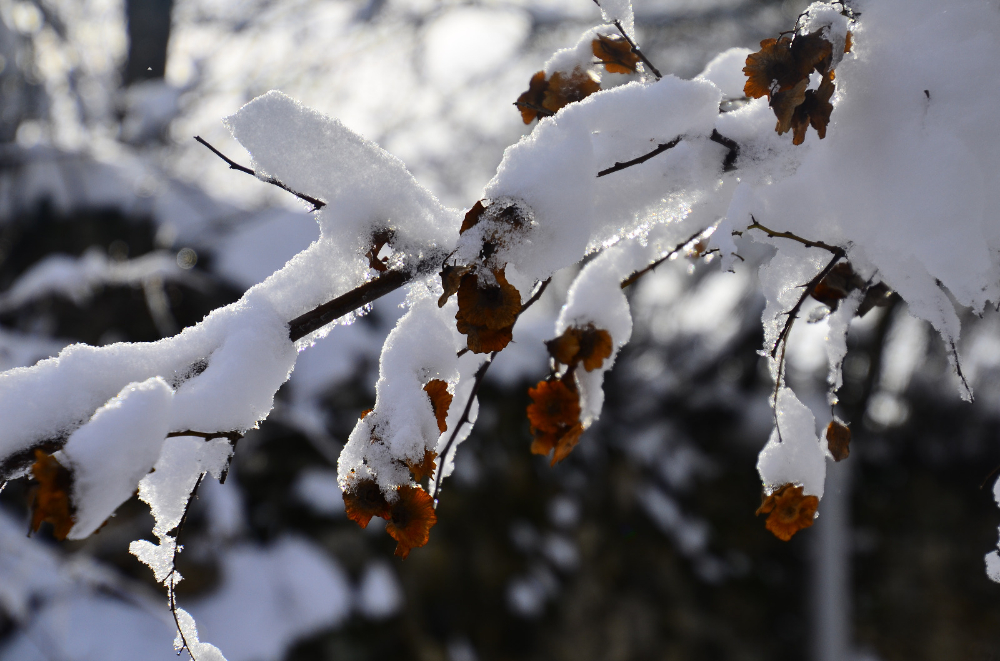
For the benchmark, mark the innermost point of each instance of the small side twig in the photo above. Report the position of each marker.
(233, 165)
(618, 166)
(808, 289)
(171, 589)
(542, 112)
(676, 249)
(637, 51)
(478, 381)
(836, 250)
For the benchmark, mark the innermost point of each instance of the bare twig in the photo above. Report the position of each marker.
(635, 49)
(233, 165)
(676, 249)
(537, 295)
(617, 167)
(171, 593)
(836, 250)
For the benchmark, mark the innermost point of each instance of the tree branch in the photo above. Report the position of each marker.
(358, 297)
(617, 167)
(836, 250)
(233, 165)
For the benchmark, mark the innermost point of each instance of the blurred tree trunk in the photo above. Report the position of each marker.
(148, 33)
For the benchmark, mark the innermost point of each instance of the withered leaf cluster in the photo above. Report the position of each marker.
(588, 346)
(488, 305)
(789, 511)
(410, 517)
(780, 71)
(554, 415)
(546, 96)
(51, 500)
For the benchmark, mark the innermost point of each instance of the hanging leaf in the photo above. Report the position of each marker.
(530, 102)
(487, 311)
(588, 345)
(441, 399)
(566, 88)
(789, 511)
(363, 501)
(838, 440)
(411, 518)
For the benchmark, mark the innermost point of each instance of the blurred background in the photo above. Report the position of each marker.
(115, 225)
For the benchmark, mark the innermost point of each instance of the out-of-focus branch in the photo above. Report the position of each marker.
(233, 165)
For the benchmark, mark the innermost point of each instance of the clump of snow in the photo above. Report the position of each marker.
(725, 71)
(793, 454)
(115, 449)
(621, 11)
(187, 638)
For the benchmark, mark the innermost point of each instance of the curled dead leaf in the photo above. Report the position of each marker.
(566, 88)
(554, 416)
(363, 500)
(837, 285)
(615, 53)
(838, 440)
(51, 502)
(487, 311)
(437, 390)
(814, 111)
(530, 102)
(411, 518)
(588, 345)
(789, 511)
(425, 468)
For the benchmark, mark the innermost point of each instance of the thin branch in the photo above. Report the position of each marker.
(171, 589)
(480, 375)
(635, 49)
(233, 436)
(958, 368)
(233, 165)
(808, 289)
(617, 167)
(835, 250)
(676, 249)
(359, 297)
(537, 295)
